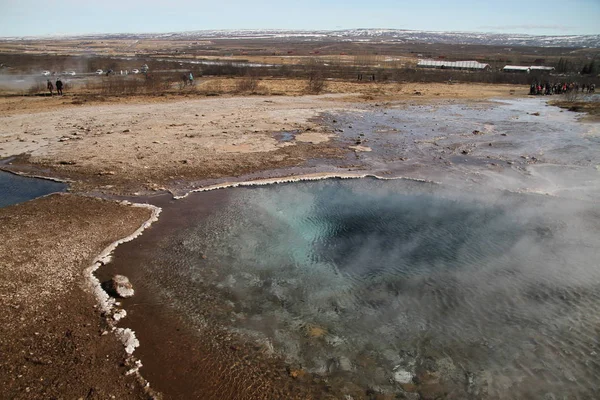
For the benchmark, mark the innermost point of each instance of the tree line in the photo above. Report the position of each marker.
(565, 66)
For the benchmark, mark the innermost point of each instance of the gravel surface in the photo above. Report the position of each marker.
(53, 340)
(126, 148)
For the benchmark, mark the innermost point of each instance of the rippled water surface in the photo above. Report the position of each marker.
(16, 189)
(395, 284)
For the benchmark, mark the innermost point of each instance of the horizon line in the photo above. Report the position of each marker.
(66, 35)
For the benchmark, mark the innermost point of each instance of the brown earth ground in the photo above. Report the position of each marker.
(50, 332)
(142, 143)
(51, 341)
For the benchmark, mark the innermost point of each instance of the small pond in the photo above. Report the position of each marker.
(387, 284)
(17, 189)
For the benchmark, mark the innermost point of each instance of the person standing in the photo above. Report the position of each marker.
(50, 87)
(59, 86)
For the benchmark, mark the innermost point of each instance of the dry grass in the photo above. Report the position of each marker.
(131, 85)
(356, 91)
(316, 82)
(377, 90)
(589, 107)
(247, 84)
(133, 91)
(38, 87)
(571, 96)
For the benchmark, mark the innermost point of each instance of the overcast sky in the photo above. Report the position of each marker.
(542, 17)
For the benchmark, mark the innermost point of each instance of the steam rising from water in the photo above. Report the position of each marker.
(388, 283)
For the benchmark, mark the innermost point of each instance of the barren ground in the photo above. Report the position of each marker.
(128, 145)
(51, 341)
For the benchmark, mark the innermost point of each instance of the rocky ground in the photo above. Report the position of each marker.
(134, 147)
(53, 341)
(129, 145)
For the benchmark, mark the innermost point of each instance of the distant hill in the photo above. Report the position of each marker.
(367, 35)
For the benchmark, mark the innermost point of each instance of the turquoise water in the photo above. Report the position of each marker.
(383, 283)
(17, 189)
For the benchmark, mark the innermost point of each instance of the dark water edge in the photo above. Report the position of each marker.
(17, 189)
(496, 302)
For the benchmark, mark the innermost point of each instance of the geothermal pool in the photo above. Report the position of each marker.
(16, 189)
(393, 286)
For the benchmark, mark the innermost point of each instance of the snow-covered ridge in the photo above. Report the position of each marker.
(378, 35)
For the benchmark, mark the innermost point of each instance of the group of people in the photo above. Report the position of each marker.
(548, 88)
(59, 87)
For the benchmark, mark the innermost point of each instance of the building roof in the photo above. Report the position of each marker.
(525, 68)
(516, 68)
(452, 64)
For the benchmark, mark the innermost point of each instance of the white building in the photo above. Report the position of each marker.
(524, 69)
(464, 65)
(540, 68)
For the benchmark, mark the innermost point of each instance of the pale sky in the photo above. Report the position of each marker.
(540, 17)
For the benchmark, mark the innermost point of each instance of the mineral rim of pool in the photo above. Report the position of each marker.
(389, 286)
